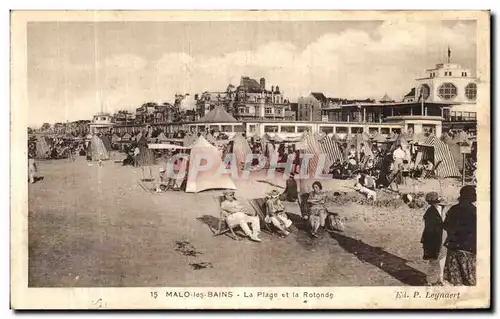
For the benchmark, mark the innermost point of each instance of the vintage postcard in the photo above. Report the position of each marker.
(250, 160)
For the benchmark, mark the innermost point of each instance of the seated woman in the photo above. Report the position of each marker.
(316, 212)
(275, 213)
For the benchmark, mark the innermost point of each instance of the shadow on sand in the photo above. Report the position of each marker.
(389, 263)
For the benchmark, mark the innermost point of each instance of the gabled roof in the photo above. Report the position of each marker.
(319, 96)
(411, 93)
(218, 115)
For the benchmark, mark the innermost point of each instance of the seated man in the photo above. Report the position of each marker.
(275, 213)
(235, 215)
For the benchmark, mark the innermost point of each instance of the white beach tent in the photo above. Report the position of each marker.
(199, 181)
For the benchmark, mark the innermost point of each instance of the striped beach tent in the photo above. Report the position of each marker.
(331, 149)
(438, 152)
(313, 147)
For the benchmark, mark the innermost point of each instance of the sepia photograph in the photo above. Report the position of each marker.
(267, 159)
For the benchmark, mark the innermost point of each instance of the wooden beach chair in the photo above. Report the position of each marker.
(259, 206)
(223, 227)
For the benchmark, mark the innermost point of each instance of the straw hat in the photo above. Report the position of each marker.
(273, 194)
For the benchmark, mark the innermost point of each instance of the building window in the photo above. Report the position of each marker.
(449, 73)
(471, 91)
(268, 110)
(445, 73)
(447, 91)
(301, 129)
(326, 129)
(385, 130)
(341, 130)
(251, 128)
(287, 129)
(270, 129)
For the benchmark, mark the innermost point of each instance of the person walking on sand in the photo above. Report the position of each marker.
(461, 242)
(236, 215)
(432, 240)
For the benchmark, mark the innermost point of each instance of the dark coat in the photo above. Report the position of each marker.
(460, 225)
(291, 192)
(432, 236)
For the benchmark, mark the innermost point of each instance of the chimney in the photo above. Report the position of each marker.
(262, 83)
(272, 88)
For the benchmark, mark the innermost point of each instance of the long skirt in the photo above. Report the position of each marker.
(460, 268)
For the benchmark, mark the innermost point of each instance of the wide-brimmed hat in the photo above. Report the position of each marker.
(273, 193)
(162, 170)
(228, 192)
(432, 197)
(468, 193)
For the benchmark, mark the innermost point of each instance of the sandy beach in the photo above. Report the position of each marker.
(93, 226)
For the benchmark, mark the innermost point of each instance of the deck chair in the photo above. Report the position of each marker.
(304, 210)
(433, 173)
(259, 205)
(222, 227)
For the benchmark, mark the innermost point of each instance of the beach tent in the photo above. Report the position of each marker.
(106, 142)
(97, 149)
(189, 139)
(42, 148)
(126, 137)
(138, 137)
(161, 137)
(399, 140)
(115, 138)
(240, 148)
(310, 145)
(437, 151)
(210, 138)
(359, 139)
(332, 150)
(209, 179)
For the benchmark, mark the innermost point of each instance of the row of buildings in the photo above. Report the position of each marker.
(443, 98)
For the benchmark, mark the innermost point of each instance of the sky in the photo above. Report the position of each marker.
(75, 69)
